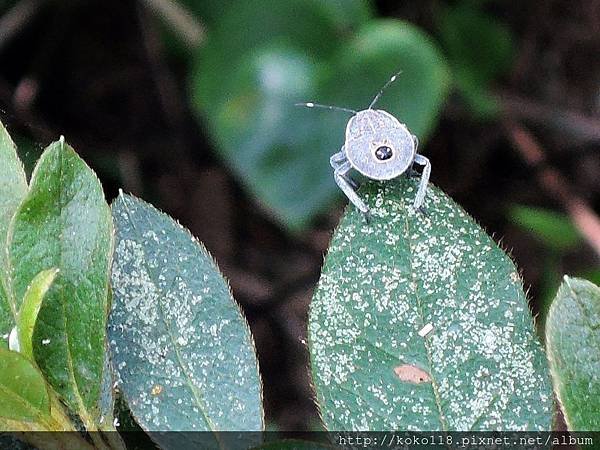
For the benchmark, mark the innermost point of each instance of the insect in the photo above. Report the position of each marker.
(378, 146)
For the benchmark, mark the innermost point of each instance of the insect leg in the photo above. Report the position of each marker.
(344, 184)
(337, 160)
(412, 173)
(420, 197)
(416, 141)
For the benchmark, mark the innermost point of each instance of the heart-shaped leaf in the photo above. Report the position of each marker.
(182, 351)
(381, 49)
(13, 188)
(273, 145)
(419, 322)
(282, 152)
(573, 346)
(23, 394)
(64, 222)
(241, 31)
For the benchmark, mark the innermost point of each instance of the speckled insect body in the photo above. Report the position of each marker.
(378, 146)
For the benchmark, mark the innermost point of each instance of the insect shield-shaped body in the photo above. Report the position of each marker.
(378, 145)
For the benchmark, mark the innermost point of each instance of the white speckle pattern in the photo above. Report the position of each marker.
(383, 282)
(573, 346)
(175, 325)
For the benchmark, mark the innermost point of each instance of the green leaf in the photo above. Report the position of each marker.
(477, 41)
(476, 94)
(280, 151)
(339, 15)
(30, 308)
(271, 144)
(343, 14)
(23, 394)
(479, 368)
(13, 188)
(65, 223)
(573, 346)
(592, 275)
(480, 48)
(107, 395)
(241, 31)
(379, 50)
(182, 351)
(106, 404)
(556, 230)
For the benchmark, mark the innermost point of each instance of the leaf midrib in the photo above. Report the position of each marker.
(197, 395)
(70, 364)
(28, 405)
(434, 383)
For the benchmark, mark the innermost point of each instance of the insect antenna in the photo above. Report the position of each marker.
(385, 86)
(331, 108)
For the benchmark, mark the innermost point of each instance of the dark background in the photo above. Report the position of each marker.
(99, 72)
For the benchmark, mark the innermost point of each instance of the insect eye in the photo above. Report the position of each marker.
(383, 152)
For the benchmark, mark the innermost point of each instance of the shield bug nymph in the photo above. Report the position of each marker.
(378, 146)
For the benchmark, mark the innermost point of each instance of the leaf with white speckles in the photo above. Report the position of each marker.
(65, 223)
(182, 351)
(573, 345)
(13, 188)
(429, 292)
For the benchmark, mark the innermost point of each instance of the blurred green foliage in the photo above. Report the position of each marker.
(260, 57)
(346, 13)
(479, 49)
(592, 275)
(263, 56)
(555, 230)
(557, 233)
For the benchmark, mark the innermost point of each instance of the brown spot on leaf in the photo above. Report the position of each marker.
(412, 374)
